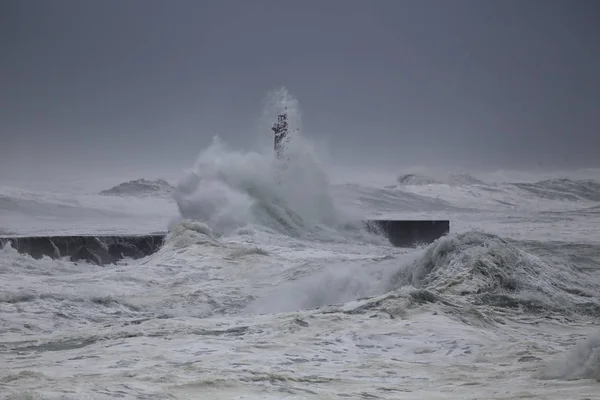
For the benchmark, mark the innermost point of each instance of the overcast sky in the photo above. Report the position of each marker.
(487, 84)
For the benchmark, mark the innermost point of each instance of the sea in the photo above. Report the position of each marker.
(267, 286)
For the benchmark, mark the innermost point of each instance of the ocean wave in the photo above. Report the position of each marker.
(563, 189)
(35, 203)
(229, 190)
(45, 207)
(188, 232)
(232, 191)
(391, 199)
(465, 193)
(452, 180)
(488, 270)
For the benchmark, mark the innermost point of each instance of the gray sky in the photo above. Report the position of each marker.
(492, 84)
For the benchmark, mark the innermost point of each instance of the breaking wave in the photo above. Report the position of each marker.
(231, 189)
(488, 270)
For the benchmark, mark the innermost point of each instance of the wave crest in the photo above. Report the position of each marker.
(488, 270)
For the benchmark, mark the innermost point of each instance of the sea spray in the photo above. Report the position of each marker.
(230, 189)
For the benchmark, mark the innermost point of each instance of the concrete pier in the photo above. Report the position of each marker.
(410, 233)
(98, 250)
(102, 250)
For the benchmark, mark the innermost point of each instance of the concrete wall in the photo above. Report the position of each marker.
(103, 250)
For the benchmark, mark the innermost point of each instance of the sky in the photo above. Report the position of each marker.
(389, 83)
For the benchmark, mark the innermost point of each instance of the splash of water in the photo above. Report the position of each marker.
(229, 189)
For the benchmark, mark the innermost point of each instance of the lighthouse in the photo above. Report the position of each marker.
(280, 130)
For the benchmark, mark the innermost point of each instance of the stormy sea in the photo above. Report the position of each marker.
(267, 288)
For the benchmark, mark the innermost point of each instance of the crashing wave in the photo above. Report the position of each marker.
(229, 190)
(186, 233)
(141, 187)
(486, 269)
